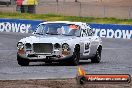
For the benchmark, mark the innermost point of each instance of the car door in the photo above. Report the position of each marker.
(89, 42)
(93, 46)
(94, 42)
(85, 42)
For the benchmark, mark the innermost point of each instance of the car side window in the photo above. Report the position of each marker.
(86, 32)
(90, 32)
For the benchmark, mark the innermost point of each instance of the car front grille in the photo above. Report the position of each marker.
(43, 47)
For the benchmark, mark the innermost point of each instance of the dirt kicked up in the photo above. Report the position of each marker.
(60, 83)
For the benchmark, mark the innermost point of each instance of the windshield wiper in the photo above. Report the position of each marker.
(39, 33)
(52, 33)
(67, 35)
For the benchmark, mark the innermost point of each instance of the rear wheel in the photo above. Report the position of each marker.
(97, 57)
(22, 61)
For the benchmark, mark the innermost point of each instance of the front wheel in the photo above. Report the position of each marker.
(75, 60)
(21, 61)
(97, 57)
(76, 56)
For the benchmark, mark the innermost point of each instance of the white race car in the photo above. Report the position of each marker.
(60, 41)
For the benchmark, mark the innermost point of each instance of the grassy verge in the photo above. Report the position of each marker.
(53, 17)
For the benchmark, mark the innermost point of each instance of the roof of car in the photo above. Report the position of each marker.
(67, 22)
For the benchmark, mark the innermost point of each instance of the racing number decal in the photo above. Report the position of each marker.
(86, 48)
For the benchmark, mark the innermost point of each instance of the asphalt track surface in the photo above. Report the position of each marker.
(116, 59)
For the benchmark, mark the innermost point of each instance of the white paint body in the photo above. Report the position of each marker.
(88, 43)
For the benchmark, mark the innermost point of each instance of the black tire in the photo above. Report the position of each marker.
(97, 57)
(82, 80)
(22, 61)
(76, 56)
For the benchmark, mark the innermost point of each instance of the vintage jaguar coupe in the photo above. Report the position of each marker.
(60, 41)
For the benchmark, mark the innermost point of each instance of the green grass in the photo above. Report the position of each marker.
(53, 17)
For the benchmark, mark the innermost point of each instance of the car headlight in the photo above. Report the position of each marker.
(20, 46)
(65, 49)
(57, 46)
(65, 46)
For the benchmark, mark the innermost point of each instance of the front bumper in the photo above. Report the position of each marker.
(52, 58)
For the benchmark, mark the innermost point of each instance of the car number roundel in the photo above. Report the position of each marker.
(86, 48)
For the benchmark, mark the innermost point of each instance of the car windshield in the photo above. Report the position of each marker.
(58, 29)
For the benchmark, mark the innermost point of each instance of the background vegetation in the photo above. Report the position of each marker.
(53, 17)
